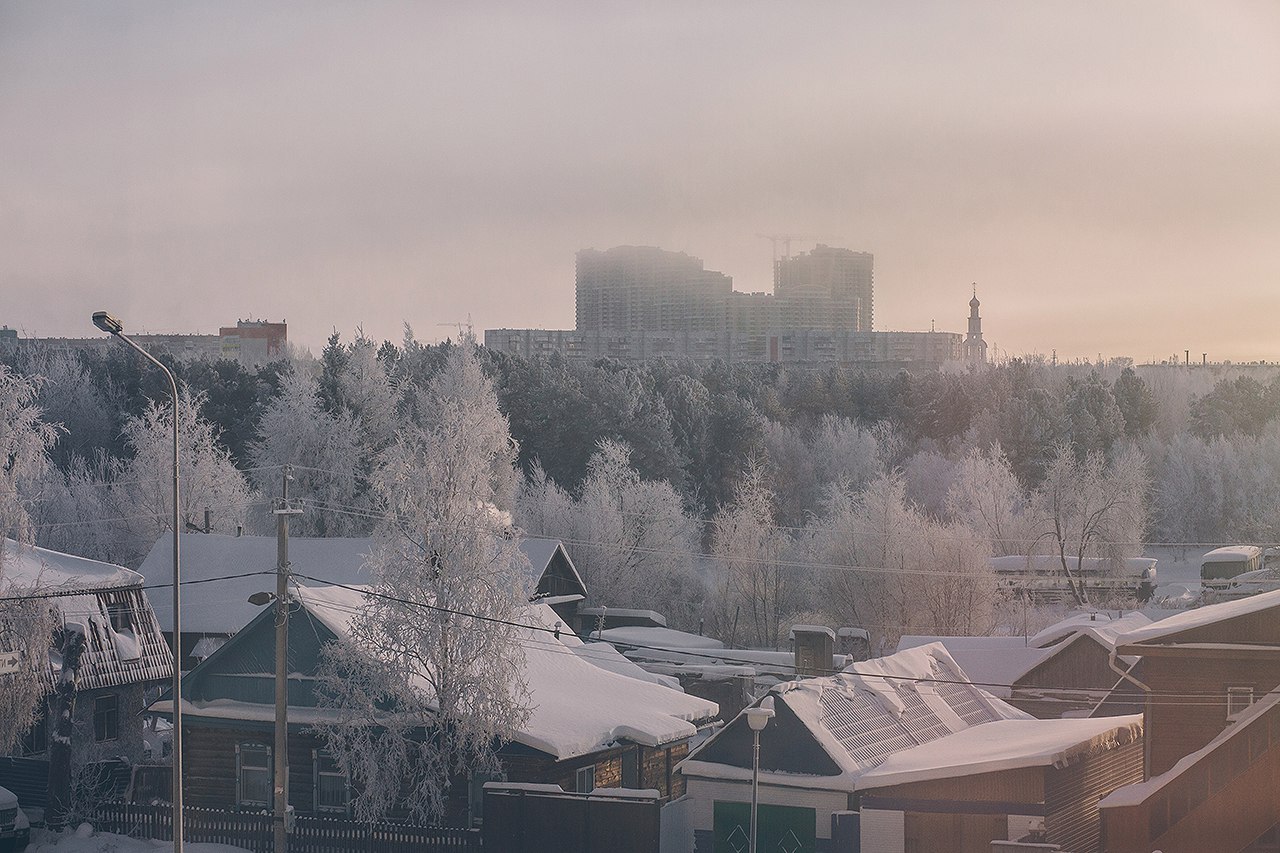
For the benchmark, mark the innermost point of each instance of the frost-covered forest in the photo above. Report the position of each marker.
(739, 497)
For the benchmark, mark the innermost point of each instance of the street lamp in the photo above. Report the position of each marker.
(757, 718)
(111, 325)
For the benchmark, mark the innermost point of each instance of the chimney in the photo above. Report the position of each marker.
(854, 643)
(815, 647)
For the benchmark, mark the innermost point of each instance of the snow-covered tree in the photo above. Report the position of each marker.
(986, 498)
(629, 538)
(838, 452)
(25, 623)
(326, 449)
(142, 488)
(430, 680)
(894, 571)
(757, 586)
(1087, 508)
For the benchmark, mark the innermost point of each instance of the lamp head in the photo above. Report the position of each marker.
(759, 717)
(260, 598)
(107, 323)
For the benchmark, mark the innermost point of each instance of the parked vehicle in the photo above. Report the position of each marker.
(1222, 564)
(15, 829)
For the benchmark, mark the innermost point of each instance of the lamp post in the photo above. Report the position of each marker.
(757, 718)
(111, 325)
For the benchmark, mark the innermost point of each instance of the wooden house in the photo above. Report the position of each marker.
(243, 565)
(916, 757)
(597, 721)
(1213, 732)
(125, 656)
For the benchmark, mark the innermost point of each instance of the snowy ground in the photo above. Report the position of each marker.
(1178, 569)
(85, 840)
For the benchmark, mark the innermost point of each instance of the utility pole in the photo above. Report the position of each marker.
(280, 782)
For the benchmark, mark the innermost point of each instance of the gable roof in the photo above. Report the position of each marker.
(860, 717)
(1201, 617)
(1103, 626)
(87, 592)
(992, 663)
(223, 607)
(579, 702)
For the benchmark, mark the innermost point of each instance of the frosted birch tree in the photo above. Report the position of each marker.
(325, 448)
(757, 587)
(1087, 508)
(629, 538)
(429, 681)
(142, 490)
(26, 624)
(986, 498)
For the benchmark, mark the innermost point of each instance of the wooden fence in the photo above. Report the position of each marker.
(253, 831)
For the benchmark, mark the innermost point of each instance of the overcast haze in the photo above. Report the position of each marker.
(1109, 174)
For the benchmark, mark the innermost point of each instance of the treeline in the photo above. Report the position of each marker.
(738, 496)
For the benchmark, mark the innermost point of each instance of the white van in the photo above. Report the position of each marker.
(15, 831)
(1222, 564)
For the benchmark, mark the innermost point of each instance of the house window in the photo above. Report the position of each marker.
(36, 740)
(631, 768)
(1238, 699)
(253, 774)
(106, 717)
(118, 613)
(331, 784)
(585, 779)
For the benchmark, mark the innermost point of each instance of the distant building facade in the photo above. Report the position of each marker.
(640, 302)
(250, 342)
(889, 350)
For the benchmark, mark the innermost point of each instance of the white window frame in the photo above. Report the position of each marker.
(318, 756)
(1239, 699)
(267, 769)
(584, 779)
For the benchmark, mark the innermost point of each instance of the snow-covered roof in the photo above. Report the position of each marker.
(29, 566)
(625, 613)
(223, 607)
(810, 629)
(1232, 554)
(645, 637)
(870, 711)
(1200, 617)
(578, 706)
(1003, 745)
(1103, 626)
(992, 663)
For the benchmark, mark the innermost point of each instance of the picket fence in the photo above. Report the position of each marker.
(253, 831)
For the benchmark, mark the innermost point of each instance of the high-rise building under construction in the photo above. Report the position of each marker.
(827, 288)
(643, 288)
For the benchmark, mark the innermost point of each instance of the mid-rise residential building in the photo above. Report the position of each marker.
(250, 342)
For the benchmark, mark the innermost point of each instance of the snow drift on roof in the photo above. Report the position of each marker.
(1101, 625)
(1003, 745)
(656, 638)
(25, 566)
(1200, 617)
(992, 663)
(576, 706)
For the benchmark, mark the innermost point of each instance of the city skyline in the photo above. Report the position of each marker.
(1104, 172)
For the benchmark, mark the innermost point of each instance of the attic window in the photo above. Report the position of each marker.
(1238, 699)
(118, 613)
(585, 779)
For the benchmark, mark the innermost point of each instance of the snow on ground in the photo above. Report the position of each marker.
(83, 839)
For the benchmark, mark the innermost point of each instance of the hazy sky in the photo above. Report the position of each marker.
(1108, 173)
